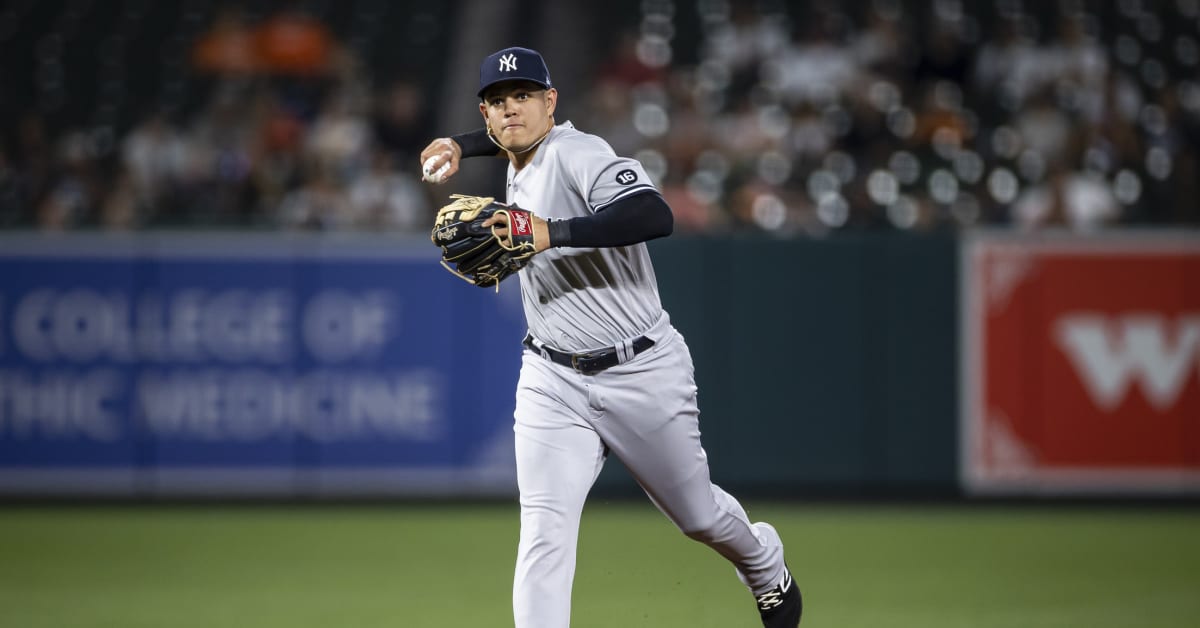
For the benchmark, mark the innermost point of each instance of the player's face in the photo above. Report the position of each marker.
(519, 113)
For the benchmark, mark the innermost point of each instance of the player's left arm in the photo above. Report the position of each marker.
(629, 220)
(632, 219)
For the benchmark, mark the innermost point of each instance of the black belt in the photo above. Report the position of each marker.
(588, 363)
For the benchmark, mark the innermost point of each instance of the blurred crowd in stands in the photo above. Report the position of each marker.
(792, 118)
(917, 115)
(290, 131)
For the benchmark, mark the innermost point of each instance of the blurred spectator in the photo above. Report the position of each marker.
(122, 208)
(319, 204)
(746, 38)
(155, 156)
(385, 197)
(1044, 128)
(944, 56)
(73, 196)
(882, 43)
(34, 164)
(624, 66)
(611, 114)
(1082, 68)
(229, 47)
(289, 42)
(279, 159)
(221, 148)
(1007, 67)
(815, 70)
(293, 42)
(339, 138)
(1081, 201)
(400, 119)
(11, 197)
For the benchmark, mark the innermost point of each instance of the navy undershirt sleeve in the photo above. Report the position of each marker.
(634, 219)
(476, 144)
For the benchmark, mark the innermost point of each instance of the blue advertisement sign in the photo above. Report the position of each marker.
(230, 364)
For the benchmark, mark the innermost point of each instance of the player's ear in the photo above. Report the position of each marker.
(483, 109)
(551, 100)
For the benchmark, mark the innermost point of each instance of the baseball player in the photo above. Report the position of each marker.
(603, 369)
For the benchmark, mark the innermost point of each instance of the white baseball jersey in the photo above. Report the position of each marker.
(578, 299)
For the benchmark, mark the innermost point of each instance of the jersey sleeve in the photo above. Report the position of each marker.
(619, 179)
(600, 176)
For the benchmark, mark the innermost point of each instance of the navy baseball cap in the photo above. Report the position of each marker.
(513, 64)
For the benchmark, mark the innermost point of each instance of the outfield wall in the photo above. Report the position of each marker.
(232, 364)
(823, 365)
(160, 364)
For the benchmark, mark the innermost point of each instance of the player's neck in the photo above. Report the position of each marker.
(522, 159)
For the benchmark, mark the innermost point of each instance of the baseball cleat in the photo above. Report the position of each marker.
(780, 607)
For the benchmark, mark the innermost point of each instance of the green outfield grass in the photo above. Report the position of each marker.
(450, 567)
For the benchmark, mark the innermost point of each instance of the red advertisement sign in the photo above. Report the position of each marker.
(1081, 364)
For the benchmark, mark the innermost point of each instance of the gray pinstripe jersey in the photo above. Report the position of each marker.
(583, 298)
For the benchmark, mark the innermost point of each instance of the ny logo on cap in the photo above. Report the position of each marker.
(508, 62)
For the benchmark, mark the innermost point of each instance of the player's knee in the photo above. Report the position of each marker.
(544, 524)
(703, 530)
(705, 535)
(548, 528)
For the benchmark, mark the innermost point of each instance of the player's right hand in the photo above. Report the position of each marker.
(439, 160)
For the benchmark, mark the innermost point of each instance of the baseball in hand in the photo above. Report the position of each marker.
(430, 175)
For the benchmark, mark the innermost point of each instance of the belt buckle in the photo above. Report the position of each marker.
(576, 358)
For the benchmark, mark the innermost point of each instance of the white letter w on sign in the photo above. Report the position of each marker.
(1109, 354)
